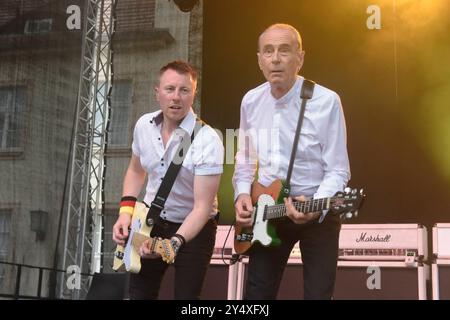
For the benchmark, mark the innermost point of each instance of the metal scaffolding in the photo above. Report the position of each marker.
(83, 229)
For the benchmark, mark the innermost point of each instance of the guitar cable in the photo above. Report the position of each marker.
(235, 257)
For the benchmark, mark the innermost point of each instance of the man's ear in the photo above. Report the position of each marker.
(156, 91)
(301, 58)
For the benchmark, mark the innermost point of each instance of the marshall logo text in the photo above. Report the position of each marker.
(364, 238)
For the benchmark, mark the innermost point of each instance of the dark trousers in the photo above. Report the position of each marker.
(191, 264)
(319, 245)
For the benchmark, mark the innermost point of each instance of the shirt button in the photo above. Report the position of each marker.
(159, 138)
(162, 164)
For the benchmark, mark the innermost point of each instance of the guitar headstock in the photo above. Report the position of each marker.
(346, 203)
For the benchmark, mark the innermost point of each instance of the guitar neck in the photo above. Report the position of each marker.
(279, 210)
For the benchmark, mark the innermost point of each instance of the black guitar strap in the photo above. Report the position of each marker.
(157, 204)
(305, 94)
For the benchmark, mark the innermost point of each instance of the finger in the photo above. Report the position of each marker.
(288, 203)
(117, 237)
(244, 214)
(145, 247)
(115, 231)
(118, 241)
(124, 228)
(314, 215)
(240, 206)
(244, 203)
(248, 204)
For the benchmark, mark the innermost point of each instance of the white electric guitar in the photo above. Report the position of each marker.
(128, 257)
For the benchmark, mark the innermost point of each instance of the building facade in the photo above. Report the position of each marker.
(40, 58)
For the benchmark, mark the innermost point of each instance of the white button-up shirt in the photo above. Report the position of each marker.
(204, 157)
(266, 135)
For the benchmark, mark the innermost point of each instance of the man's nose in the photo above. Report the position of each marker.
(176, 95)
(276, 56)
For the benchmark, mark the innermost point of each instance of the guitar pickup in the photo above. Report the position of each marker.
(244, 237)
(119, 255)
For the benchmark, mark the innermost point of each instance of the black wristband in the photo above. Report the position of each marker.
(128, 198)
(181, 238)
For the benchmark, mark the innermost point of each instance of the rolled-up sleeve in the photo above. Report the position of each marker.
(210, 161)
(135, 146)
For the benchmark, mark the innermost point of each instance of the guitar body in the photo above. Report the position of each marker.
(261, 231)
(127, 257)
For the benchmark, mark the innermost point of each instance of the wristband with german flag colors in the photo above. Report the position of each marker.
(127, 205)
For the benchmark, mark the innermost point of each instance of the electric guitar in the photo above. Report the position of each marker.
(265, 209)
(128, 257)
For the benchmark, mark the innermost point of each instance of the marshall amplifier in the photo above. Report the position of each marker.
(382, 261)
(376, 261)
(355, 280)
(440, 268)
(396, 242)
(221, 277)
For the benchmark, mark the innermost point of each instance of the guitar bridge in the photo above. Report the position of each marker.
(244, 237)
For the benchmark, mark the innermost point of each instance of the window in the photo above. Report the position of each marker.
(121, 97)
(12, 106)
(38, 26)
(109, 246)
(5, 222)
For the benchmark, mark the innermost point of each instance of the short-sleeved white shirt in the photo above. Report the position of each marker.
(204, 157)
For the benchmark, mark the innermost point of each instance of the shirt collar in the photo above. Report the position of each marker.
(187, 124)
(294, 91)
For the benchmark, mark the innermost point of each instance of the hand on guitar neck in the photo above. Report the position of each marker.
(296, 216)
(157, 248)
(147, 250)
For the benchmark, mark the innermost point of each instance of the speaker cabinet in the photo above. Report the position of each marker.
(219, 284)
(381, 280)
(440, 275)
(355, 280)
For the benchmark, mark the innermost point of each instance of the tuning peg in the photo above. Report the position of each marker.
(347, 190)
(348, 215)
(355, 213)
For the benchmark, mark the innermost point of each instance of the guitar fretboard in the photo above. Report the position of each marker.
(279, 210)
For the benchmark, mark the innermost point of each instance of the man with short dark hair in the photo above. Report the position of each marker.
(189, 215)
